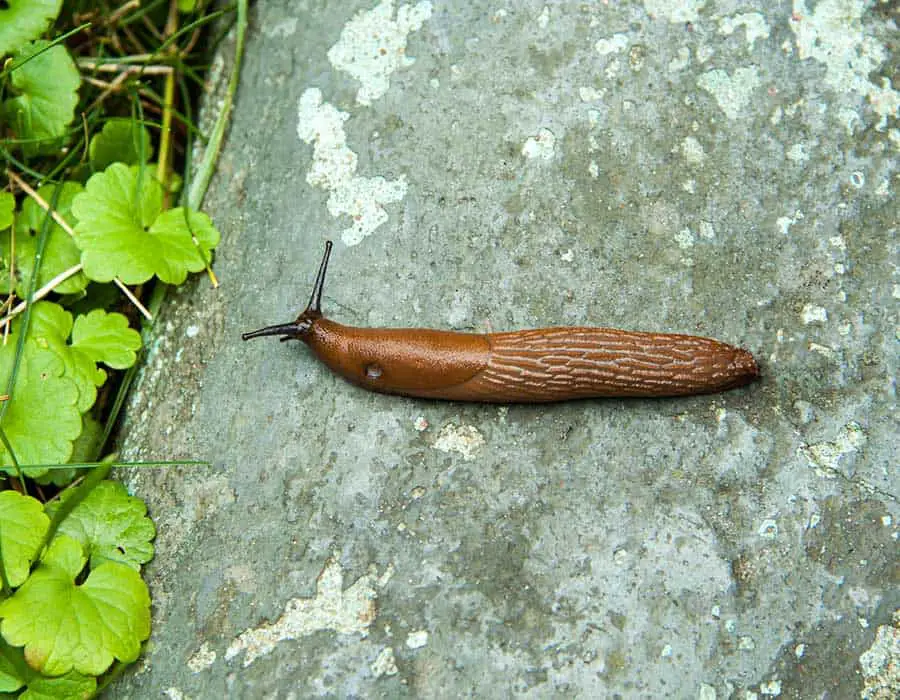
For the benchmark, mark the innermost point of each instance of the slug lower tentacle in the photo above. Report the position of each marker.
(531, 366)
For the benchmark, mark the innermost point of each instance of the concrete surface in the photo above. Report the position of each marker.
(722, 168)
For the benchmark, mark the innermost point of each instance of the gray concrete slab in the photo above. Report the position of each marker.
(721, 168)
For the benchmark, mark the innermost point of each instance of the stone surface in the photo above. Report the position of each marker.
(720, 168)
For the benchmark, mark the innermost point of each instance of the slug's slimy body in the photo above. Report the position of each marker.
(547, 364)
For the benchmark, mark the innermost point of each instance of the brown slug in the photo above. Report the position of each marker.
(530, 366)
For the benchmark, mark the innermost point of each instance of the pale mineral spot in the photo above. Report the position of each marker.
(372, 46)
(202, 659)
(542, 145)
(349, 611)
(784, 223)
(334, 169)
(675, 12)
(797, 153)
(417, 640)
(706, 692)
(813, 314)
(732, 92)
(615, 43)
(826, 456)
(544, 19)
(832, 33)
(384, 664)
(685, 239)
(754, 25)
(880, 663)
(465, 440)
(692, 151)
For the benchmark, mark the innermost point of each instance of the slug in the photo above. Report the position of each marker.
(529, 366)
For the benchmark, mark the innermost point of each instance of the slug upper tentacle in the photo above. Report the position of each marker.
(530, 366)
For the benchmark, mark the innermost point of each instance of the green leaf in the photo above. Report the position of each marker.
(7, 207)
(14, 673)
(23, 525)
(107, 338)
(122, 234)
(122, 141)
(42, 417)
(111, 526)
(60, 251)
(65, 626)
(83, 450)
(24, 20)
(71, 686)
(187, 5)
(47, 88)
(96, 336)
(51, 325)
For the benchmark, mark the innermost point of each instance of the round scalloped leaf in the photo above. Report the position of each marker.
(15, 673)
(122, 234)
(190, 237)
(107, 338)
(42, 417)
(84, 449)
(23, 525)
(51, 325)
(10, 677)
(60, 251)
(7, 207)
(111, 525)
(47, 88)
(120, 141)
(71, 686)
(24, 20)
(65, 626)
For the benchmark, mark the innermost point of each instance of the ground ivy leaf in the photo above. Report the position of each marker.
(60, 251)
(64, 626)
(47, 88)
(190, 237)
(7, 206)
(13, 670)
(23, 525)
(42, 417)
(120, 141)
(106, 337)
(51, 325)
(122, 234)
(114, 216)
(24, 20)
(111, 525)
(15, 673)
(49, 320)
(65, 554)
(71, 686)
(84, 449)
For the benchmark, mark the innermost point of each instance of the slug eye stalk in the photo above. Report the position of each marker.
(313, 310)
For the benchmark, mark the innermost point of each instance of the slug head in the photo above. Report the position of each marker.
(300, 327)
